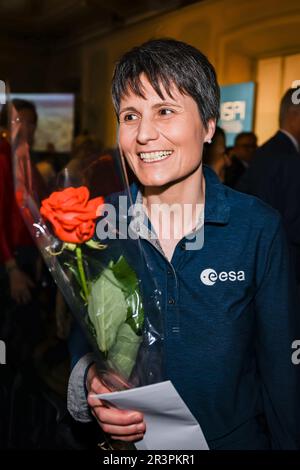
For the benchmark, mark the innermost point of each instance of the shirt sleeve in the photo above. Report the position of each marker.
(76, 400)
(278, 325)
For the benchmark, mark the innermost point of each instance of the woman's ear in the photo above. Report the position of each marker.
(211, 127)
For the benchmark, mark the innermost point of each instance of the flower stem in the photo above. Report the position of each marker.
(81, 272)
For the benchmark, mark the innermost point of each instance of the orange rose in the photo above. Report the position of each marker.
(72, 214)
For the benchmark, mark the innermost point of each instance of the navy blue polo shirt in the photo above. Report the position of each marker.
(230, 313)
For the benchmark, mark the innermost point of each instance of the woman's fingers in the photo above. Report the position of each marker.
(125, 425)
(119, 424)
(133, 438)
(114, 416)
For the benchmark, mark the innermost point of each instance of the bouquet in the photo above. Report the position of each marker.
(102, 274)
(115, 314)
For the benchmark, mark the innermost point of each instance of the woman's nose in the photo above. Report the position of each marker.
(146, 131)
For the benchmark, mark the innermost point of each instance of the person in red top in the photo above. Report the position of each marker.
(13, 233)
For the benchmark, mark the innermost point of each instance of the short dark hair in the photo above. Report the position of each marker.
(166, 62)
(19, 104)
(241, 135)
(287, 103)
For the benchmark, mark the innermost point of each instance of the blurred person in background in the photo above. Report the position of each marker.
(214, 154)
(20, 325)
(33, 411)
(26, 281)
(14, 236)
(241, 155)
(274, 173)
(93, 166)
(47, 172)
(86, 148)
(32, 394)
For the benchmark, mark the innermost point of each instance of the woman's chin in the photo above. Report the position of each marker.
(153, 182)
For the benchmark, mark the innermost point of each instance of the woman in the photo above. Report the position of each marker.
(233, 294)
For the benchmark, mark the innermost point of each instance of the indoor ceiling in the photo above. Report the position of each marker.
(70, 19)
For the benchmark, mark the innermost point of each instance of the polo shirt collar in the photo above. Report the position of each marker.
(216, 210)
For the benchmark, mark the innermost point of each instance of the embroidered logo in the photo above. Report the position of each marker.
(209, 276)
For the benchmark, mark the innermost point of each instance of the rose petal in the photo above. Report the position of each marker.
(94, 205)
(72, 214)
(85, 231)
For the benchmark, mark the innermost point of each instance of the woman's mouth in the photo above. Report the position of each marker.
(155, 156)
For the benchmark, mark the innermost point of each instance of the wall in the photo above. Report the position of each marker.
(23, 64)
(235, 34)
(274, 76)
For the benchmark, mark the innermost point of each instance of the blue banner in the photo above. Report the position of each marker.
(236, 111)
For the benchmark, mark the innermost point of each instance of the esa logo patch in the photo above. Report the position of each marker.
(209, 276)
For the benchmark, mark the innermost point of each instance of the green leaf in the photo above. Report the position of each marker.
(130, 285)
(122, 355)
(95, 245)
(70, 246)
(135, 311)
(125, 275)
(107, 309)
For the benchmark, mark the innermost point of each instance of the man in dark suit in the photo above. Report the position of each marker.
(274, 174)
(245, 145)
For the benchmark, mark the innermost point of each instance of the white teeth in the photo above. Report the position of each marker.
(155, 156)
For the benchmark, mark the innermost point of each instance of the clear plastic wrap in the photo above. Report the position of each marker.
(82, 229)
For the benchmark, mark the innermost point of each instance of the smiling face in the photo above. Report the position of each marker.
(162, 139)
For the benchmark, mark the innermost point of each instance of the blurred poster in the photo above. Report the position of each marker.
(237, 108)
(55, 126)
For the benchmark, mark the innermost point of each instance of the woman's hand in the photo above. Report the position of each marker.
(20, 285)
(124, 425)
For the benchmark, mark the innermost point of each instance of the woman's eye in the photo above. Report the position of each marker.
(165, 111)
(130, 117)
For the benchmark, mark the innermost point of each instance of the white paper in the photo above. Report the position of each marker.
(169, 423)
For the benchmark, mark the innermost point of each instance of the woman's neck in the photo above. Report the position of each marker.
(175, 211)
(187, 191)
